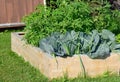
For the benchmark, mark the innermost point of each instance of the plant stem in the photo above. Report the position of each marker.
(82, 67)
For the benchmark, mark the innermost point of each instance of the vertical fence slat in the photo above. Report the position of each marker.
(36, 2)
(41, 1)
(16, 16)
(22, 8)
(9, 5)
(29, 6)
(3, 17)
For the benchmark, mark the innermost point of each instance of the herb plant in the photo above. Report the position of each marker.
(76, 15)
(67, 17)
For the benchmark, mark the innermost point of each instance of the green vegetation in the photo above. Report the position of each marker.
(94, 44)
(118, 38)
(66, 17)
(78, 16)
(55, 3)
(14, 69)
(98, 79)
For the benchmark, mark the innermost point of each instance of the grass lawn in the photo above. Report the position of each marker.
(14, 69)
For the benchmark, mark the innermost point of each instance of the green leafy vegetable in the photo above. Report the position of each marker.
(93, 44)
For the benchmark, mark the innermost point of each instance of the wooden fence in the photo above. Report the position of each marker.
(12, 11)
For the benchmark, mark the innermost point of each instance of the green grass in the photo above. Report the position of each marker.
(14, 69)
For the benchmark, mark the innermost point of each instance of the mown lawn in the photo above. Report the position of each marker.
(14, 69)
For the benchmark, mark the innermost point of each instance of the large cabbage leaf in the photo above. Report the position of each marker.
(94, 44)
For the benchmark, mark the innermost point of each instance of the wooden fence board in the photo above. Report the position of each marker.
(12, 11)
(3, 13)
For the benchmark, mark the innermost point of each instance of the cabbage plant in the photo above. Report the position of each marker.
(94, 44)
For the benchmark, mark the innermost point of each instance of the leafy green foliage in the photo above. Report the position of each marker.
(56, 3)
(94, 44)
(67, 17)
(78, 16)
(106, 19)
(118, 38)
(14, 69)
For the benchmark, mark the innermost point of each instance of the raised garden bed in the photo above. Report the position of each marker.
(51, 68)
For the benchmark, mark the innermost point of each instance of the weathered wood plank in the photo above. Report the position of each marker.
(9, 25)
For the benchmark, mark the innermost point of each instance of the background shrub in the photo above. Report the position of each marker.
(78, 16)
